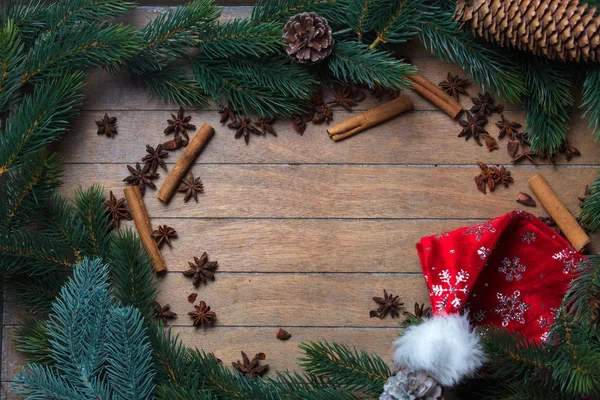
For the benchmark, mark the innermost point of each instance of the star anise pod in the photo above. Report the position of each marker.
(507, 127)
(525, 154)
(483, 104)
(244, 127)
(568, 150)
(282, 334)
(141, 177)
(252, 368)
(512, 148)
(175, 143)
(155, 157)
(323, 114)
(299, 124)
(388, 304)
(227, 113)
(192, 297)
(454, 85)
(191, 186)
(420, 312)
(473, 126)
(163, 313)
(266, 126)
(526, 199)
(107, 126)
(490, 142)
(179, 125)
(164, 234)
(117, 209)
(490, 176)
(202, 316)
(343, 97)
(201, 270)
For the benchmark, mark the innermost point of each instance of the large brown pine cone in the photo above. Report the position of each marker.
(308, 38)
(557, 29)
(411, 385)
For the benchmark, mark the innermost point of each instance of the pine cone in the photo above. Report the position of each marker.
(411, 385)
(557, 29)
(308, 38)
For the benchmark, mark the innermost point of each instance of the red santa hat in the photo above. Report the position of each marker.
(511, 271)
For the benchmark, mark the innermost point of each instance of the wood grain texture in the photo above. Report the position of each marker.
(417, 137)
(339, 191)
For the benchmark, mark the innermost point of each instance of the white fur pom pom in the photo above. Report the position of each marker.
(444, 346)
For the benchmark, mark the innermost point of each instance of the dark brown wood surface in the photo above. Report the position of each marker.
(306, 231)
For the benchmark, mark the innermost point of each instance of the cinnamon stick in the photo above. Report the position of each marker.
(370, 118)
(559, 213)
(437, 96)
(205, 133)
(142, 223)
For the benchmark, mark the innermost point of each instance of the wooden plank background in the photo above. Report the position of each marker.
(305, 230)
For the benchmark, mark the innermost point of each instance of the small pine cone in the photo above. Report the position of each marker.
(308, 38)
(411, 385)
(557, 29)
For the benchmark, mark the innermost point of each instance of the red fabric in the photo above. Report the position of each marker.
(511, 271)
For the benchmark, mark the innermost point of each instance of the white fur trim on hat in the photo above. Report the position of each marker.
(445, 346)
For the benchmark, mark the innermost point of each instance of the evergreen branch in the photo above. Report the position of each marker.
(591, 98)
(28, 17)
(36, 293)
(90, 210)
(40, 119)
(590, 210)
(399, 21)
(23, 252)
(351, 368)
(26, 188)
(360, 18)
(43, 382)
(546, 131)
(584, 289)
(129, 355)
(80, 46)
(294, 386)
(132, 272)
(493, 70)
(353, 62)
(173, 85)
(240, 38)
(278, 10)
(247, 87)
(32, 340)
(12, 66)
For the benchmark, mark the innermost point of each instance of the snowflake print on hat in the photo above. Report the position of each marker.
(479, 229)
(483, 252)
(528, 237)
(511, 308)
(545, 321)
(568, 257)
(449, 291)
(479, 316)
(512, 269)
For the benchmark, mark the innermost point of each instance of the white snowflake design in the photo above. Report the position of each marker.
(544, 337)
(521, 214)
(567, 256)
(450, 291)
(479, 316)
(544, 321)
(528, 237)
(441, 235)
(479, 229)
(512, 269)
(511, 308)
(483, 252)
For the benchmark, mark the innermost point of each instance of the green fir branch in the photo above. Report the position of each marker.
(40, 119)
(295, 386)
(36, 293)
(348, 367)
(32, 340)
(240, 38)
(398, 21)
(591, 98)
(590, 209)
(90, 210)
(353, 63)
(278, 10)
(12, 66)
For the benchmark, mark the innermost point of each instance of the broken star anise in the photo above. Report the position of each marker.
(117, 209)
(175, 143)
(379, 91)
(107, 126)
(201, 269)
(509, 128)
(323, 114)
(343, 97)
(454, 85)
(252, 368)
(483, 104)
(155, 157)
(191, 186)
(512, 148)
(202, 316)
(490, 142)
(227, 113)
(299, 124)
(163, 313)
(282, 334)
(388, 304)
(141, 177)
(473, 126)
(568, 150)
(244, 127)
(266, 125)
(179, 125)
(526, 199)
(420, 312)
(164, 234)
